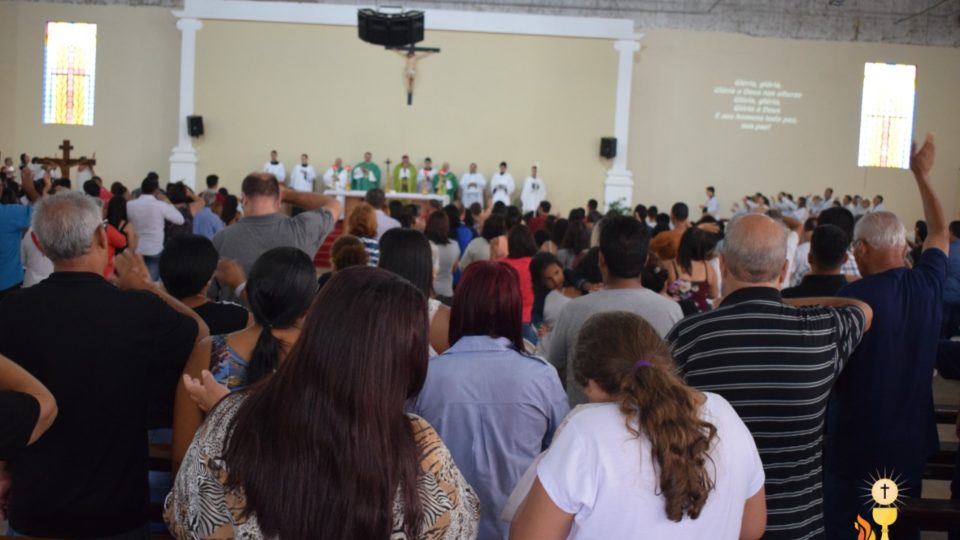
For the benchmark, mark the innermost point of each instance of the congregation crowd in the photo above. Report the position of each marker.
(477, 370)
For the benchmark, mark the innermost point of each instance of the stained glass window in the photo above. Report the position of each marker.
(69, 66)
(886, 115)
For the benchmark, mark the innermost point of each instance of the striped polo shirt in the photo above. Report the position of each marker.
(775, 364)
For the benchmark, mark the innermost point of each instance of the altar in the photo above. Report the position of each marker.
(354, 197)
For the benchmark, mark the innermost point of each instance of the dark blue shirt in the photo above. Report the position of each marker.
(880, 416)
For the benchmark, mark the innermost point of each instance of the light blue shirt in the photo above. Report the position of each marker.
(496, 409)
(206, 223)
(951, 286)
(14, 220)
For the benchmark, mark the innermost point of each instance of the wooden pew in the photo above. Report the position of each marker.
(937, 514)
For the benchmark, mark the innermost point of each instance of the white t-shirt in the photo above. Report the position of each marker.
(598, 471)
(793, 240)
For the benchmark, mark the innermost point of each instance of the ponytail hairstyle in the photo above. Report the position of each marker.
(281, 285)
(624, 356)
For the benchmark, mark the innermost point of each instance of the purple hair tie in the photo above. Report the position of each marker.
(641, 363)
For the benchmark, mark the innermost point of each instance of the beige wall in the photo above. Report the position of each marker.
(677, 147)
(318, 89)
(485, 98)
(138, 57)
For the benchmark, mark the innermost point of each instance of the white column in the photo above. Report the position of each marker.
(183, 160)
(618, 186)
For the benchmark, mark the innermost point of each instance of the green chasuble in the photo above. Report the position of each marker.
(450, 187)
(408, 184)
(363, 183)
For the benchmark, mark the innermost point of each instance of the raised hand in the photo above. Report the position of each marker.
(132, 272)
(921, 161)
(229, 273)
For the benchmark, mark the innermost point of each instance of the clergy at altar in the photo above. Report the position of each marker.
(533, 193)
(275, 168)
(303, 175)
(337, 177)
(502, 185)
(426, 176)
(404, 176)
(445, 182)
(366, 174)
(472, 186)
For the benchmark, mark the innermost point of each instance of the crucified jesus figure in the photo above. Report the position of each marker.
(410, 70)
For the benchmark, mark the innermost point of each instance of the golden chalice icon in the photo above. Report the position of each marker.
(884, 517)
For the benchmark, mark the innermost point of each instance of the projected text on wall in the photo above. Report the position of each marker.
(757, 105)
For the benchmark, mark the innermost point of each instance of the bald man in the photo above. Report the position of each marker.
(775, 361)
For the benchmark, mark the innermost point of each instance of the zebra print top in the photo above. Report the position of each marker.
(200, 505)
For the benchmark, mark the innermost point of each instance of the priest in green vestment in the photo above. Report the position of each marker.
(445, 182)
(405, 176)
(366, 174)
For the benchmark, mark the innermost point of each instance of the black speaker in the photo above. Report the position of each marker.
(195, 126)
(390, 29)
(608, 147)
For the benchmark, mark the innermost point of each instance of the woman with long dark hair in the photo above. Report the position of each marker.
(651, 454)
(574, 242)
(116, 216)
(438, 232)
(281, 285)
(494, 406)
(322, 449)
(553, 288)
(187, 203)
(408, 254)
(693, 281)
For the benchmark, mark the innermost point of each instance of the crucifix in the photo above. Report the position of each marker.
(65, 163)
(409, 52)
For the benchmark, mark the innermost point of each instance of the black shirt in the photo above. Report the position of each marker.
(18, 416)
(108, 356)
(811, 286)
(223, 317)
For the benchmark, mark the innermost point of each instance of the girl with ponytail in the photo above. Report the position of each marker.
(650, 457)
(281, 285)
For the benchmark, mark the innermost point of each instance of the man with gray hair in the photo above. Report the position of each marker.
(775, 361)
(881, 417)
(112, 365)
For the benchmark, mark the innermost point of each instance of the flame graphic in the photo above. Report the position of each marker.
(866, 530)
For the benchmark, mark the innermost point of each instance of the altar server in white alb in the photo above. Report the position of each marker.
(337, 177)
(425, 177)
(471, 187)
(303, 175)
(275, 168)
(533, 193)
(502, 185)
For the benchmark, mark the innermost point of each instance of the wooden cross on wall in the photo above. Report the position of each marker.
(65, 163)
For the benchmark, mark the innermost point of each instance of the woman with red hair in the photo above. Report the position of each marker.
(495, 407)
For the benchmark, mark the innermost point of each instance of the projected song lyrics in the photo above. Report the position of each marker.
(757, 105)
